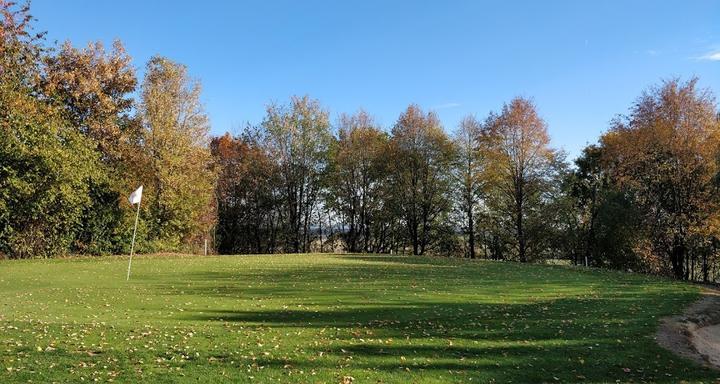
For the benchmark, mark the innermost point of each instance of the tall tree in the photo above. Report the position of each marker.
(247, 195)
(520, 163)
(357, 174)
(468, 170)
(586, 184)
(44, 163)
(176, 140)
(299, 140)
(93, 88)
(664, 154)
(421, 157)
(607, 226)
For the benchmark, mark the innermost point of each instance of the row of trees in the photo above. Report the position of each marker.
(293, 184)
(644, 198)
(74, 139)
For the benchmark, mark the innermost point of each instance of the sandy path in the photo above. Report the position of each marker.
(696, 333)
(706, 341)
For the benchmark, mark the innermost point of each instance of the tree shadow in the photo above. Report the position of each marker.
(391, 314)
(518, 342)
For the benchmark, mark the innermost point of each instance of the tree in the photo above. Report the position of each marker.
(247, 195)
(44, 163)
(299, 140)
(44, 168)
(21, 50)
(179, 187)
(520, 164)
(94, 90)
(664, 156)
(606, 223)
(467, 171)
(356, 177)
(421, 155)
(586, 186)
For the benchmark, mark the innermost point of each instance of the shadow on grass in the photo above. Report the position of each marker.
(518, 342)
(508, 322)
(608, 341)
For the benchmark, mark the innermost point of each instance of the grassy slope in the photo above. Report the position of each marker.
(317, 318)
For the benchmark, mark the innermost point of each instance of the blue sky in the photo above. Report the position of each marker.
(582, 62)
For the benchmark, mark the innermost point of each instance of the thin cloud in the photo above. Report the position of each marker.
(446, 106)
(711, 56)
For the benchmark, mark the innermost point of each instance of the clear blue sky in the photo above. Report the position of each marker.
(582, 62)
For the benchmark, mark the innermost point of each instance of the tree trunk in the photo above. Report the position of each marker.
(520, 230)
(352, 236)
(705, 263)
(520, 236)
(677, 259)
(320, 230)
(471, 233)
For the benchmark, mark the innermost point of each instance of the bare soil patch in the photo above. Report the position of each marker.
(695, 334)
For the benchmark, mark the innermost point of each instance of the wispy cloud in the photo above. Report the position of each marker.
(446, 106)
(710, 56)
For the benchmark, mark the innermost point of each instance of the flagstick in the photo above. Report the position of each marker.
(132, 247)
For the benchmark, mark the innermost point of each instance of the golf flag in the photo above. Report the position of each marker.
(136, 196)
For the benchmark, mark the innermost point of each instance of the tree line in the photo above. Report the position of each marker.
(643, 198)
(80, 130)
(294, 183)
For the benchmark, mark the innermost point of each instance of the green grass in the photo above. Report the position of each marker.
(318, 318)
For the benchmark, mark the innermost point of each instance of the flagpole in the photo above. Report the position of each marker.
(132, 247)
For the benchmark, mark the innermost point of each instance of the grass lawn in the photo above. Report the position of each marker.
(319, 318)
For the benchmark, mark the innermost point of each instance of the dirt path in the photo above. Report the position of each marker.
(696, 333)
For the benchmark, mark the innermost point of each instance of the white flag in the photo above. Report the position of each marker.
(136, 196)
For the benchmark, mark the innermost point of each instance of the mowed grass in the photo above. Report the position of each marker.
(325, 318)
